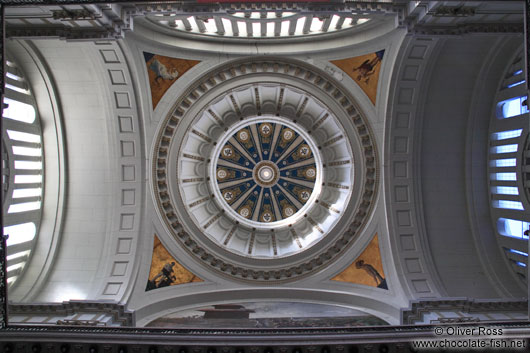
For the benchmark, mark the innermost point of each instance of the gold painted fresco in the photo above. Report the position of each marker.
(165, 270)
(367, 269)
(163, 71)
(364, 70)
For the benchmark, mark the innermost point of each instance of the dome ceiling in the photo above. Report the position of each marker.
(265, 170)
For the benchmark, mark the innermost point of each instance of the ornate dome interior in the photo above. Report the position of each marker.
(176, 160)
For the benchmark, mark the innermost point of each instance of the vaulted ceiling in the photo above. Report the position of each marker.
(204, 154)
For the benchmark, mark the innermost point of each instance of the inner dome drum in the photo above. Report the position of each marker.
(266, 172)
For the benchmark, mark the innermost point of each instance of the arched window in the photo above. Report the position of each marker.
(23, 168)
(258, 24)
(507, 155)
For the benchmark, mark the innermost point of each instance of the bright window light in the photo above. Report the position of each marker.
(242, 28)
(23, 136)
(333, 24)
(360, 21)
(19, 111)
(11, 279)
(27, 151)
(256, 29)
(28, 179)
(515, 84)
(512, 228)
(512, 107)
(239, 14)
(23, 207)
(316, 25)
(13, 76)
(504, 149)
(210, 25)
(20, 233)
(270, 29)
(271, 15)
(513, 251)
(284, 29)
(511, 205)
(520, 264)
(505, 190)
(504, 176)
(193, 24)
(255, 15)
(518, 72)
(28, 165)
(31, 192)
(18, 89)
(17, 255)
(227, 24)
(506, 162)
(503, 135)
(15, 266)
(179, 24)
(299, 29)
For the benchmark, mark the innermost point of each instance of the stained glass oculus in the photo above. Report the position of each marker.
(267, 172)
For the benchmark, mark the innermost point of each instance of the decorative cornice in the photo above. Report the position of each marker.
(444, 30)
(118, 311)
(250, 340)
(62, 32)
(419, 308)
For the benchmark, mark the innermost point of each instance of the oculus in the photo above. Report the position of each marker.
(266, 172)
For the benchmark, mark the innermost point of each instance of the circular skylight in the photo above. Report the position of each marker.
(266, 171)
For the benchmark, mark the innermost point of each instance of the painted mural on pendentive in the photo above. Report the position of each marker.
(367, 269)
(364, 70)
(165, 270)
(163, 71)
(268, 314)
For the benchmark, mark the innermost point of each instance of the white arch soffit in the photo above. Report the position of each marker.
(54, 148)
(426, 282)
(313, 43)
(121, 242)
(161, 305)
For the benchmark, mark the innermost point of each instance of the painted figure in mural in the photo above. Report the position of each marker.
(367, 68)
(165, 277)
(379, 280)
(162, 72)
